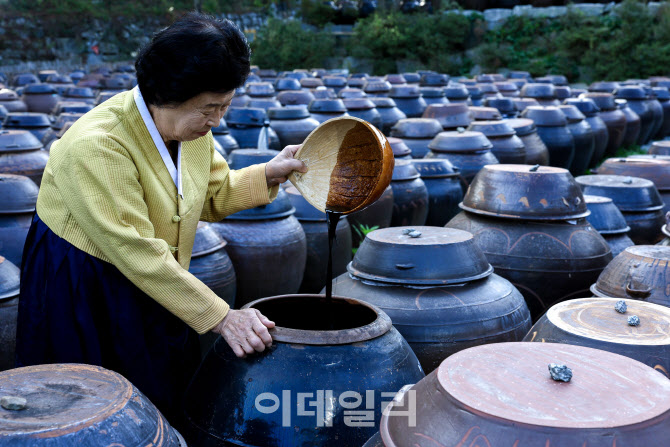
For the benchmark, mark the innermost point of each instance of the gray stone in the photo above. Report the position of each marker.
(621, 307)
(560, 373)
(550, 11)
(496, 17)
(13, 403)
(407, 230)
(633, 320)
(414, 234)
(589, 9)
(521, 10)
(654, 7)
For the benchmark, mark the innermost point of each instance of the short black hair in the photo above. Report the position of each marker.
(197, 53)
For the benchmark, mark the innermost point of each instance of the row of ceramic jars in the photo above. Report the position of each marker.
(439, 307)
(425, 192)
(637, 199)
(656, 170)
(267, 244)
(501, 393)
(530, 223)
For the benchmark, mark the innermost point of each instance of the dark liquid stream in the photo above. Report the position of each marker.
(332, 218)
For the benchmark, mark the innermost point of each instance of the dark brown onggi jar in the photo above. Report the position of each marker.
(40, 98)
(507, 146)
(544, 94)
(552, 127)
(660, 148)
(530, 223)
(21, 153)
(633, 123)
(377, 88)
(522, 103)
(614, 119)
(663, 97)
(325, 109)
(410, 195)
(450, 116)
(592, 113)
(18, 196)
(637, 198)
(36, 123)
(328, 353)
(389, 113)
(504, 105)
(364, 109)
(400, 149)
(466, 150)
(416, 133)
(655, 170)
(75, 404)
(604, 86)
(503, 395)
(292, 124)
(536, 150)
(408, 99)
(445, 189)
(637, 102)
(439, 307)
(609, 222)
(457, 93)
(590, 322)
(11, 101)
(9, 310)
(480, 113)
(433, 95)
(583, 137)
(507, 89)
(295, 97)
(378, 214)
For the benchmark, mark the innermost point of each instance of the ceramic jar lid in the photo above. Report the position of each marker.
(628, 193)
(246, 116)
(416, 128)
(18, 141)
(525, 192)
(460, 141)
(207, 240)
(549, 116)
(18, 194)
(585, 105)
(404, 170)
(334, 105)
(435, 168)
(399, 255)
(605, 216)
(288, 113)
(27, 120)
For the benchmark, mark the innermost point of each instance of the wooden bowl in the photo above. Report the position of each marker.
(350, 165)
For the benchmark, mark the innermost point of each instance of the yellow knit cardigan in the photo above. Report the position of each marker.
(107, 191)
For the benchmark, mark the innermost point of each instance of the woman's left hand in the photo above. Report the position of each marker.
(278, 169)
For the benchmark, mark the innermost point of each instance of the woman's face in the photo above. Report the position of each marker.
(195, 117)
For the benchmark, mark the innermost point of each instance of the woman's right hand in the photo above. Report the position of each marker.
(245, 331)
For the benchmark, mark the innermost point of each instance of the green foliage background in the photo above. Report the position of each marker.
(632, 42)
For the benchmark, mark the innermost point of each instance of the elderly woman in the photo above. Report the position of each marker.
(105, 276)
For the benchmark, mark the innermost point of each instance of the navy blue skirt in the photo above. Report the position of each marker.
(75, 308)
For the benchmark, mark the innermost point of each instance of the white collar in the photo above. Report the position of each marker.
(158, 141)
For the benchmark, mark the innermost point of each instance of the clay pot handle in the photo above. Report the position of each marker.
(635, 293)
(404, 266)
